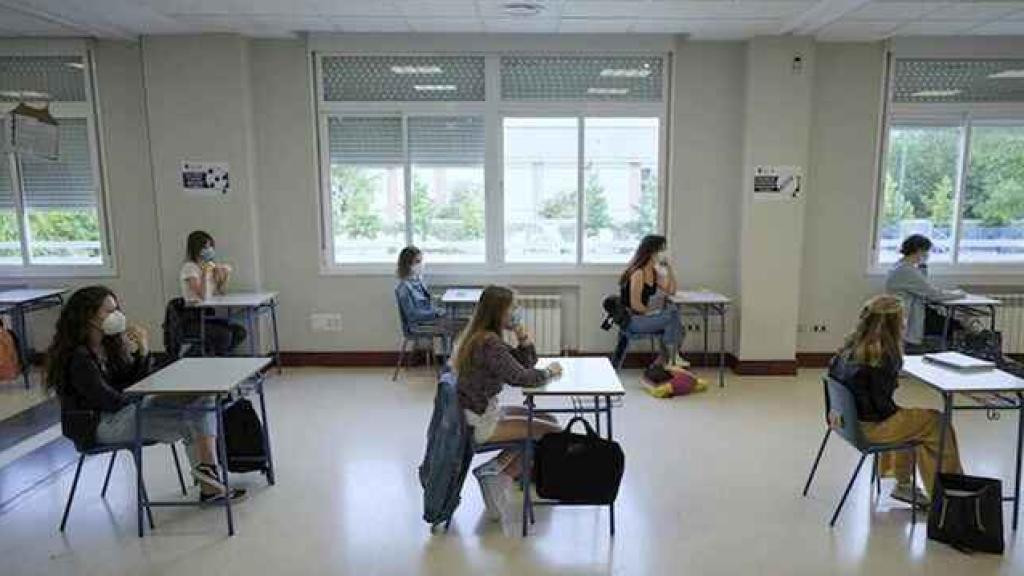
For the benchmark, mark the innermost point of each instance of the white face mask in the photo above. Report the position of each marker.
(115, 323)
(417, 269)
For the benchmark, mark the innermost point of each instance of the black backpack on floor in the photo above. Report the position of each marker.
(578, 468)
(243, 437)
(967, 513)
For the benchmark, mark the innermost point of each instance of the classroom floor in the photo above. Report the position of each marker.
(712, 486)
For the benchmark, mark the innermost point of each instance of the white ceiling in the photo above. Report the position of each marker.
(830, 20)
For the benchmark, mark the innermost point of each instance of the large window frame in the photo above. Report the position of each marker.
(89, 112)
(493, 110)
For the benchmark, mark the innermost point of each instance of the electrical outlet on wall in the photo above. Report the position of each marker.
(325, 322)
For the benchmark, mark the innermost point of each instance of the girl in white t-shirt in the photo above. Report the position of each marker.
(200, 276)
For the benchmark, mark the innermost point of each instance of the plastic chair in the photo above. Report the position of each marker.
(411, 334)
(113, 449)
(841, 417)
(625, 337)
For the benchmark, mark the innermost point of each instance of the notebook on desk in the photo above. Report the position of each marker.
(959, 361)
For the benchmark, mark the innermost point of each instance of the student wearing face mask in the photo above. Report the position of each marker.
(94, 356)
(415, 301)
(644, 285)
(908, 279)
(202, 276)
(484, 364)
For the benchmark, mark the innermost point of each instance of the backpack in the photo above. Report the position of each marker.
(615, 313)
(967, 513)
(10, 365)
(243, 438)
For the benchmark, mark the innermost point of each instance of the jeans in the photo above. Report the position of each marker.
(161, 426)
(664, 322)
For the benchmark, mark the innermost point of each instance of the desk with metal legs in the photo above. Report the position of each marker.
(949, 382)
(220, 378)
(253, 305)
(19, 302)
(707, 302)
(581, 378)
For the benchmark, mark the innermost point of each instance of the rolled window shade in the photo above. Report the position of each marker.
(365, 141)
(67, 183)
(446, 140)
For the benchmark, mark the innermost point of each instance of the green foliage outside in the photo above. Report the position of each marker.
(466, 207)
(596, 204)
(645, 212)
(8, 227)
(562, 205)
(353, 215)
(423, 209)
(920, 176)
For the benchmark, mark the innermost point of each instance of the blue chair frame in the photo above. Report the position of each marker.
(622, 347)
(841, 417)
(113, 449)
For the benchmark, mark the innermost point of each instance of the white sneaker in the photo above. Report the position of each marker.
(905, 493)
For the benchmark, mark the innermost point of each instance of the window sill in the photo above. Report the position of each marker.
(452, 270)
(1015, 271)
(56, 272)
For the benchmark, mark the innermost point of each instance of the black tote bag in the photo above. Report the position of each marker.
(578, 468)
(967, 513)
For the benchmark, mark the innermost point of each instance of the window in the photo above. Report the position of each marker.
(447, 158)
(50, 213)
(954, 166)
(417, 149)
(367, 188)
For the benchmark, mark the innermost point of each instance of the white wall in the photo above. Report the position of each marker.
(249, 102)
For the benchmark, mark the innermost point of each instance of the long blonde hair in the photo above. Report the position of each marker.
(488, 318)
(877, 340)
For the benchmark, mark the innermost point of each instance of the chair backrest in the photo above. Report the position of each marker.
(841, 413)
(403, 321)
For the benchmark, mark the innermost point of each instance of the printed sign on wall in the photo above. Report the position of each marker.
(205, 178)
(777, 182)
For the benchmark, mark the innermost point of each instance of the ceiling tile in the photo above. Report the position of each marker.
(595, 25)
(17, 24)
(843, 31)
(1001, 28)
(876, 11)
(709, 29)
(665, 26)
(729, 10)
(602, 9)
(446, 24)
(948, 28)
(521, 25)
(369, 24)
(976, 11)
(495, 9)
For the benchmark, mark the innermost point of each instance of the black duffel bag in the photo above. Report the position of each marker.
(243, 438)
(967, 513)
(578, 468)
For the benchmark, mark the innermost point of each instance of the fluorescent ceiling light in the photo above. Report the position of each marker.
(75, 65)
(607, 91)
(523, 9)
(435, 87)
(935, 93)
(416, 70)
(25, 95)
(1008, 74)
(626, 72)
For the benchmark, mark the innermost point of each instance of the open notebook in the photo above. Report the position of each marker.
(959, 361)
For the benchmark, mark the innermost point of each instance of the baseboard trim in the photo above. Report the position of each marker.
(813, 359)
(765, 367)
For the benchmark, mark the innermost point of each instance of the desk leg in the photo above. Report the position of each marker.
(950, 311)
(254, 335)
(1020, 444)
(721, 347)
(608, 416)
(202, 331)
(21, 331)
(947, 417)
(992, 318)
(704, 316)
(137, 449)
(277, 341)
(222, 456)
(597, 414)
(525, 471)
(266, 432)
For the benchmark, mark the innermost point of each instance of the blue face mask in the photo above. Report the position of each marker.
(208, 254)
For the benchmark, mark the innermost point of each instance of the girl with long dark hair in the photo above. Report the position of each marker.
(649, 274)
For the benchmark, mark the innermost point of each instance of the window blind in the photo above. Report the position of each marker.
(446, 141)
(67, 183)
(34, 78)
(403, 78)
(582, 78)
(6, 187)
(365, 141)
(958, 80)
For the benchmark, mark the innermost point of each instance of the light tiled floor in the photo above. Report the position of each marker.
(712, 486)
(14, 397)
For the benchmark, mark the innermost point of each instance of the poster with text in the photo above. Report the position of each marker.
(205, 178)
(777, 182)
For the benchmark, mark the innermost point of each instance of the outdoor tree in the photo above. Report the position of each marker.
(596, 204)
(423, 209)
(896, 207)
(562, 205)
(645, 211)
(352, 191)
(940, 200)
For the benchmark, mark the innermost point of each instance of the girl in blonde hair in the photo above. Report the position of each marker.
(869, 365)
(484, 364)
